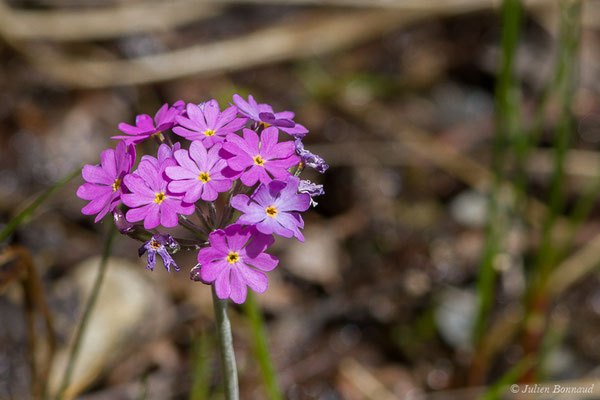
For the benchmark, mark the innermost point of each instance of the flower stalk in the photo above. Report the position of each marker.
(229, 367)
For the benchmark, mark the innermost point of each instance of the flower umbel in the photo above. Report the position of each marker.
(221, 163)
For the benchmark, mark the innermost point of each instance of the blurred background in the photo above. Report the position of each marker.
(455, 249)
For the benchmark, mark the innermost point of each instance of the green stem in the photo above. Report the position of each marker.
(261, 348)
(87, 312)
(566, 85)
(507, 129)
(229, 368)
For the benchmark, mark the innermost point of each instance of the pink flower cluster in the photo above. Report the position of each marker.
(233, 160)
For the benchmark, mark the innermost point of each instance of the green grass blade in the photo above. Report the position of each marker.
(496, 390)
(203, 349)
(261, 348)
(87, 312)
(24, 215)
(566, 85)
(507, 129)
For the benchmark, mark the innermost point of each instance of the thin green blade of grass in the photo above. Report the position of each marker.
(508, 126)
(537, 294)
(547, 255)
(203, 349)
(581, 210)
(261, 348)
(87, 312)
(24, 215)
(495, 391)
(143, 388)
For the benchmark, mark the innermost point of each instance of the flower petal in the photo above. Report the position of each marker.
(238, 287)
(222, 284)
(257, 280)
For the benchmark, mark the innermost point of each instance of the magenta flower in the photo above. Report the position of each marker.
(104, 183)
(263, 113)
(145, 127)
(207, 123)
(274, 208)
(150, 200)
(198, 174)
(233, 264)
(254, 160)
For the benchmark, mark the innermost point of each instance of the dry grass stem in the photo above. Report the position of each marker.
(103, 23)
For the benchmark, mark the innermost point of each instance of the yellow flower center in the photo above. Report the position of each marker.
(258, 160)
(159, 197)
(265, 125)
(271, 211)
(154, 244)
(204, 177)
(233, 257)
(116, 185)
(209, 132)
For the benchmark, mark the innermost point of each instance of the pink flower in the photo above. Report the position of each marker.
(207, 123)
(150, 200)
(198, 174)
(233, 264)
(104, 183)
(145, 127)
(259, 161)
(164, 152)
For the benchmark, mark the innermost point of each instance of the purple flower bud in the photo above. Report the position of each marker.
(121, 223)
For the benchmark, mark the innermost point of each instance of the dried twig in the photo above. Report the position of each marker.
(34, 299)
(305, 36)
(100, 23)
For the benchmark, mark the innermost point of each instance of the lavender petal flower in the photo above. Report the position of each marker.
(199, 173)
(264, 114)
(205, 122)
(274, 208)
(310, 159)
(160, 244)
(253, 160)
